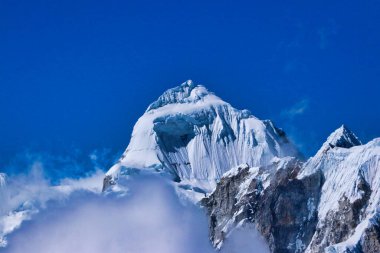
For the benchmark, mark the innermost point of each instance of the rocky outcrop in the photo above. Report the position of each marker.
(370, 242)
(330, 204)
(366, 241)
(282, 207)
(340, 224)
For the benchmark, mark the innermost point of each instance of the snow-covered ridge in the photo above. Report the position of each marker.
(197, 137)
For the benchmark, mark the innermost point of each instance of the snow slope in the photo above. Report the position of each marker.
(350, 195)
(196, 137)
(343, 168)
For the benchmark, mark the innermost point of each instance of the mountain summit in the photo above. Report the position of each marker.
(342, 138)
(196, 137)
(187, 92)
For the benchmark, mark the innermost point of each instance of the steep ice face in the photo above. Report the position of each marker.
(195, 136)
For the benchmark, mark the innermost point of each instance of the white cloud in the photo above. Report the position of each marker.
(73, 216)
(297, 109)
(22, 196)
(245, 239)
(150, 219)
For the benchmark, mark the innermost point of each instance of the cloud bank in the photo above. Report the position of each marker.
(73, 216)
(149, 219)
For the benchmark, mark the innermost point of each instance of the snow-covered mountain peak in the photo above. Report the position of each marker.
(187, 92)
(196, 136)
(337, 144)
(342, 138)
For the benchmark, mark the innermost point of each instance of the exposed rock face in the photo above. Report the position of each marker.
(370, 242)
(107, 182)
(339, 224)
(330, 204)
(282, 207)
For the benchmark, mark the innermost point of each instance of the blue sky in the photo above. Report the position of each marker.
(80, 73)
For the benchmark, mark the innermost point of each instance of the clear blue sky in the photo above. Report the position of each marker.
(80, 73)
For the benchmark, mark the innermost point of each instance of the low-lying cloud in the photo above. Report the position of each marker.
(73, 215)
(149, 219)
